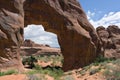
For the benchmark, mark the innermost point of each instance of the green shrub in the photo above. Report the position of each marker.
(29, 61)
(56, 73)
(82, 72)
(102, 59)
(51, 71)
(112, 72)
(94, 71)
(68, 77)
(37, 67)
(55, 59)
(36, 77)
(9, 72)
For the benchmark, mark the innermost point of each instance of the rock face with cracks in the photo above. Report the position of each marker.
(11, 33)
(110, 38)
(77, 38)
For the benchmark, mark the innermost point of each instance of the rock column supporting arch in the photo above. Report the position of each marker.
(66, 18)
(11, 33)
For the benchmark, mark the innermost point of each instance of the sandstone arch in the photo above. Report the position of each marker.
(77, 37)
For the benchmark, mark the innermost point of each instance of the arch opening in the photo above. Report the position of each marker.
(41, 46)
(37, 34)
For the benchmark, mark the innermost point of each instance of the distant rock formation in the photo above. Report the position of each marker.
(30, 43)
(78, 40)
(31, 48)
(110, 38)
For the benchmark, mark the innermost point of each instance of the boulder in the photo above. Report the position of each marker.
(78, 40)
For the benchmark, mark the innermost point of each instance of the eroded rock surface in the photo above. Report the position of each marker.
(77, 38)
(11, 33)
(110, 38)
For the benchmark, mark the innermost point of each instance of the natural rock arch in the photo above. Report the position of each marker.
(77, 37)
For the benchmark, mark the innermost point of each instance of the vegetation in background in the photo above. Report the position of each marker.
(102, 59)
(54, 70)
(99, 64)
(68, 77)
(9, 72)
(29, 61)
(109, 67)
(51, 71)
(112, 71)
(36, 77)
(56, 60)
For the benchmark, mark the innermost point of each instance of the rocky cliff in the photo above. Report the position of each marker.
(110, 38)
(77, 37)
(11, 33)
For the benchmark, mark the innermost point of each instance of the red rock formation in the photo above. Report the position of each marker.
(77, 38)
(110, 38)
(11, 33)
(31, 48)
(29, 43)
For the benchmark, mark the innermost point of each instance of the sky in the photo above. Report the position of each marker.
(99, 12)
(102, 12)
(37, 34)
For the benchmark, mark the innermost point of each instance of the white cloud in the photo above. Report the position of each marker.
(90, 14)
(112, 18)
(38, 35)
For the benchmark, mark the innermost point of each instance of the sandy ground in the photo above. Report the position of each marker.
(13, 77)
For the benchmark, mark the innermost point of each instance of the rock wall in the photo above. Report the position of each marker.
(110, 38)
(77, 37)
(11, 33)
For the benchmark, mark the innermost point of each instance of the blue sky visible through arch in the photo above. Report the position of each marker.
(99, 12)
(37, 34)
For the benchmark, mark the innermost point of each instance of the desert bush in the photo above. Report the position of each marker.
(55, 59)
(68, 77)
(51, 71)
(112, 72)
(30, 60)
(101, 59)
(36, 77)
(94, 71)
(56, 73)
